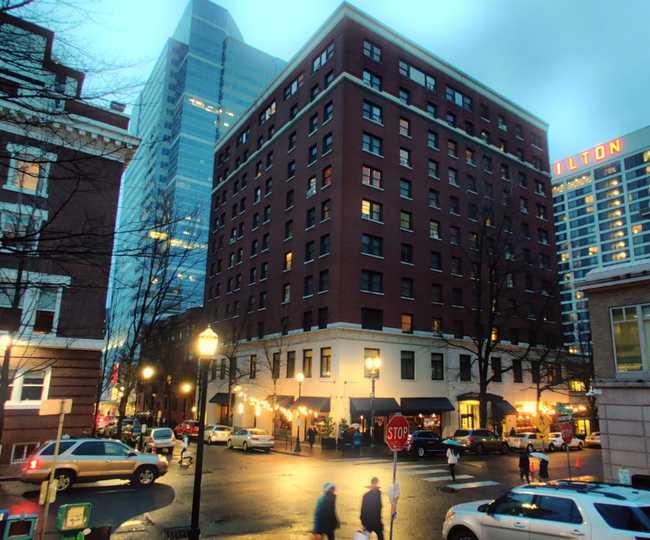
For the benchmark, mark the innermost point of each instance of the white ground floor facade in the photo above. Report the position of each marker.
(424, 379)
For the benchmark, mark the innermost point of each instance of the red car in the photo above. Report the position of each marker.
(189, 428)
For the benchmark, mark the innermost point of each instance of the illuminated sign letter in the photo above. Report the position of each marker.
(558, 168)
(585, 157)
(599, 152)
(615, 146)
(572, 164)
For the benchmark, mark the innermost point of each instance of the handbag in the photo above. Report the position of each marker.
(361, 535)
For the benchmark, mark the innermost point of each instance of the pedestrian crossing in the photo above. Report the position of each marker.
(435, 473)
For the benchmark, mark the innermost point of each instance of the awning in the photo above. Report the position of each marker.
(425, 405)
(381, 406)
(315, 403)
(505, 407)
(282, 401)
(220, 398)
(474, 396)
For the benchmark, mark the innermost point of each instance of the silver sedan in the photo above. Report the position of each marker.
(249, 438)
(217, 434)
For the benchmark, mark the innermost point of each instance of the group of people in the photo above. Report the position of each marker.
(326, 521)
(524, 467)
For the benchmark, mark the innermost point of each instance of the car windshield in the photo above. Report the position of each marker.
(257, 432)
(162, 434)
(461, 433)
(221, 428)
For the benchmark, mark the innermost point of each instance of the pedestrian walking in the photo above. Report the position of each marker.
(524, 466)
(452, 460)
(325, 519)
(371, 510)
(543, 470)
(184, 446)
(356, 440)
(311, 437)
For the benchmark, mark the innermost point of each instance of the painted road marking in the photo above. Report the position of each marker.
(448, 477)
(466, 485)
(401, 466)
(428, 471)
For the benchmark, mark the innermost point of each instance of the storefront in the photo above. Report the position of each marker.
(311, 410)
(427, 412)
(220, 399)
(501, 414)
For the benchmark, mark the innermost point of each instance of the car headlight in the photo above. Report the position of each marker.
(450, 514)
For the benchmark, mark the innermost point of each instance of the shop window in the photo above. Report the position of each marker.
(631, 328)
(21, 451)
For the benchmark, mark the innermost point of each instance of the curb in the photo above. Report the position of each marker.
(9, 478)
(289, 453)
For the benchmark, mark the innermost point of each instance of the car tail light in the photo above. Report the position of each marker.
(33, 464)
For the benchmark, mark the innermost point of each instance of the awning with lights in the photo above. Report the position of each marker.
(220, 398)
(315, 403)
(280, 400)
(503, 406)
(382, 407)
(425, 405)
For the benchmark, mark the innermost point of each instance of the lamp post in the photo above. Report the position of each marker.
(373, 365)
(185, 388)
(207, 349)
(147, 373)
(300, 377)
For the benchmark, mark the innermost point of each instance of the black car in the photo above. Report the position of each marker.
(424, 442)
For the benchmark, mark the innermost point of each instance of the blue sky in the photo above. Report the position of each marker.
(581, 65)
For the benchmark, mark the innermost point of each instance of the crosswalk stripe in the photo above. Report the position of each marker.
(361, 461)
(422, 466)
(427, 471)
(447, 477)
(467, 485)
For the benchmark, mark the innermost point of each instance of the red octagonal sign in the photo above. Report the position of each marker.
(567, 432)
(396, 435)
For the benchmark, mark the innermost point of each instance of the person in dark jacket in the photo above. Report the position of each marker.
(371, 510)
(325, 520)
(543, 470)
(524, 466)
(311, 437)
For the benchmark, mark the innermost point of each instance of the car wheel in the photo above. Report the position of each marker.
(563, 447)
(480, 449)
(580, 446)
(530, 448)
(461, 533)
(64, 480)
(551, 447)
(144, 476)
(244, 446)
(267, 450)
(505, 448)
(420, 452)
(229, 444)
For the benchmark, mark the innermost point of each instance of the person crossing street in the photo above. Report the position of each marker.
(371, 510)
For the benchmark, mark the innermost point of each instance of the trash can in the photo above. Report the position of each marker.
(17, 526)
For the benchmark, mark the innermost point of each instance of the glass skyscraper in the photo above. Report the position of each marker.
(601, 198)
(204, 79)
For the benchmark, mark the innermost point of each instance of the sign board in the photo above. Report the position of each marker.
(624, 477)
(55, 406)
(589, 157)
(567, 432)
(396, 435)
(71, 517)
(565, 418)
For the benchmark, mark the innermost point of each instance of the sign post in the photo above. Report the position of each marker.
(52, 407)
(396, 438)
(567, 437)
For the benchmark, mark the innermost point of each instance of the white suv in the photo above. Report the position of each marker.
(585, 510)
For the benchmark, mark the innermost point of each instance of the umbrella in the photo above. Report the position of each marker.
(451, 442)
(539, 455)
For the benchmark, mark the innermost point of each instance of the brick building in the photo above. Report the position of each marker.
(61, 160)
(619, 311)
(349, 204)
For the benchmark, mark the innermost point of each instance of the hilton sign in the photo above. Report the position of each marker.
(592, 156)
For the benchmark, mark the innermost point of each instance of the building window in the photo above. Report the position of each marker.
(434, 198)
(286, 293)
(517, 371)
(457, 297)
(46, 310)
(327, 143)
(326, 361)
(372, 51)
(327, 177)
(437, 367)
(436, 293)
(496, 368)
(371, 210)
(371, 80)
(372, 112)
(291, 364)
(275, 366)
(452, 176)
(454, 235)
(434, 229)
(323, 281)
(465, 367)
(436, 325)
(405, 220)
(307, 356)
(372, 245)
(288, 261)
(293, 86)
(28, 386)
(405, 127)
(454, 205)
(432, 140)
(407, 323)
(407, 359)
(322, 58)
(288, 230)
(436, 260)
(28, 169)
(404, 157)
(310, 250)
(312, 153)
(372, 319)
(456, 266)
(323, 316)
(313, 123)
(432, 169)
(325, 245)
(631, 329)
(417, 76)
(404, 96)
(311, 187)
(405, 189)
(310, 218)
(308, 286)
(458, 98)
(325, 210)
(372, 144)
(306, 321)
(371, 177)
(372, 281)
(406, 253)
(407, 288)
(328, 112)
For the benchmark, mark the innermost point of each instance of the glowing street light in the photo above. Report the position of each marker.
(373, 365)
(186, 387)
(300, 377)
(148, 372)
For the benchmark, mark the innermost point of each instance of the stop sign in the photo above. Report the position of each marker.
(567, 432)
(396, 434)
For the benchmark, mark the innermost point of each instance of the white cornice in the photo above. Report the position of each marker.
(372, 24)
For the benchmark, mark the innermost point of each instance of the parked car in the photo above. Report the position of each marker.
(593, 439)
(160, 440)
(250, 438)
(424, 442)
(554, 442)
(481, 441)
(217, 434)
(110, 430)
(188, 427)
(526, 441)
(590, 511)
(90, 460)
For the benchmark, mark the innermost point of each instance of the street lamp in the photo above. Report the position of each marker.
(148, 372)
(300, 377)
(372, 365)
(207, 348)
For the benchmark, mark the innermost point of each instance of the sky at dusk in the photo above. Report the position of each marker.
(583, 66)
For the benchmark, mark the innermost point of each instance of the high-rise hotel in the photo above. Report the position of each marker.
(346, 202)
(600, 197)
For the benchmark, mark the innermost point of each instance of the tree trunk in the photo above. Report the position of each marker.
(482, 406)
(4, 387)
